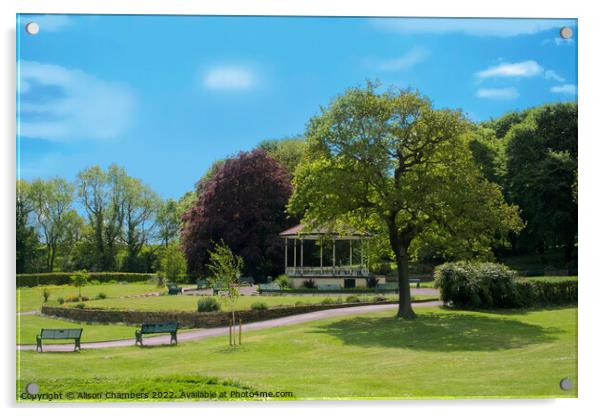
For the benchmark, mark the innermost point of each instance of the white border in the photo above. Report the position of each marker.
(589, 161)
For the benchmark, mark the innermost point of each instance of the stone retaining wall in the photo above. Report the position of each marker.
(186, 319)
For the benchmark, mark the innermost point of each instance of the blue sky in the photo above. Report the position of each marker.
(164, 96)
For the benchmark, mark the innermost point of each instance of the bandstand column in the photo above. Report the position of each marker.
(350, 253)
(361, 253)
(334, 262)
(285, 253)
(301, 255)
(295, 254)
(321, 252)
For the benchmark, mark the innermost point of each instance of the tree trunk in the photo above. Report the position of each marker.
(405, 310)
(52, 258)
(400, 245)
(569, 246)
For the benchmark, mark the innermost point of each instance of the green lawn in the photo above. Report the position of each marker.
(441, 354)
(30, 298)
(189, 302)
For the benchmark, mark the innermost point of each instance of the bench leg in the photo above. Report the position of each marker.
(174, 338)
(78, 346)
(38, 344)
(138, 338)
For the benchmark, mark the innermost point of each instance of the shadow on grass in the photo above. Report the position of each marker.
(154, 346)
(440, 332)
(522, 311)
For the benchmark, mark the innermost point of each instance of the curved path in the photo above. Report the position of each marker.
(202, 333)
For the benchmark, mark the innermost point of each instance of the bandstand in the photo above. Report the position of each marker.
(326, 257)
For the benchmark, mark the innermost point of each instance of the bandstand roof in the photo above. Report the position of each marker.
(300, 230)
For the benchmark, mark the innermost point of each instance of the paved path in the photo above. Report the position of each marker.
(28, 313)
(202, 333)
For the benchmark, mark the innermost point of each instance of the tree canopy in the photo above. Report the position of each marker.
(392, 161)
(542, 176)
(242, 203)
(287, 151)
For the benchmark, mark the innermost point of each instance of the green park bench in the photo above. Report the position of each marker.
(72, 333)
(386, 287)
(173, 289)
(158, 328)
(269, 287)
(202, 284)
(218, 287)
(417, 281)
(326, 287)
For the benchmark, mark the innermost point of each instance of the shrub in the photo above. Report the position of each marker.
(352, 299)
(379, 298)
(282, 280)
(259, 306)
(101, 295)
(327, 301)
(71, 298)
(80, 279)
(60, 300)
(547, 292)
(299, 303)
(309, 284)
(172, 264)
(208, 304)
(80, 306)
(477, 285)
(488, 285)
(46, 294)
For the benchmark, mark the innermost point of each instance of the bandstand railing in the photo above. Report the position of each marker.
(345, 271)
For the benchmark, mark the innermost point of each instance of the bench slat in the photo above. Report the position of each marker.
(71, 333)
(329, 287)
(269, 286)
(155, 328)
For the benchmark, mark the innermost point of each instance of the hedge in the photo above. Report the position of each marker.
(64, 278)
(490, 285)
(548, 292)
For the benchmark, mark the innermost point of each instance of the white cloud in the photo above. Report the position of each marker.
(563, 42)
(473, 27)
(229, 78)
(411, 58)
(520, 69)
(558, 41)
(65, 104)
(568, 89)
(498, 93)
(48, 22)
(552, 75)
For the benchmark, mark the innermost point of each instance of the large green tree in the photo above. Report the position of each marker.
(27, 236)
(102, 195)
(288, 151)
(140, 207)
(392, 160)
(52, 204)
(169, 222)
(541, 177)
